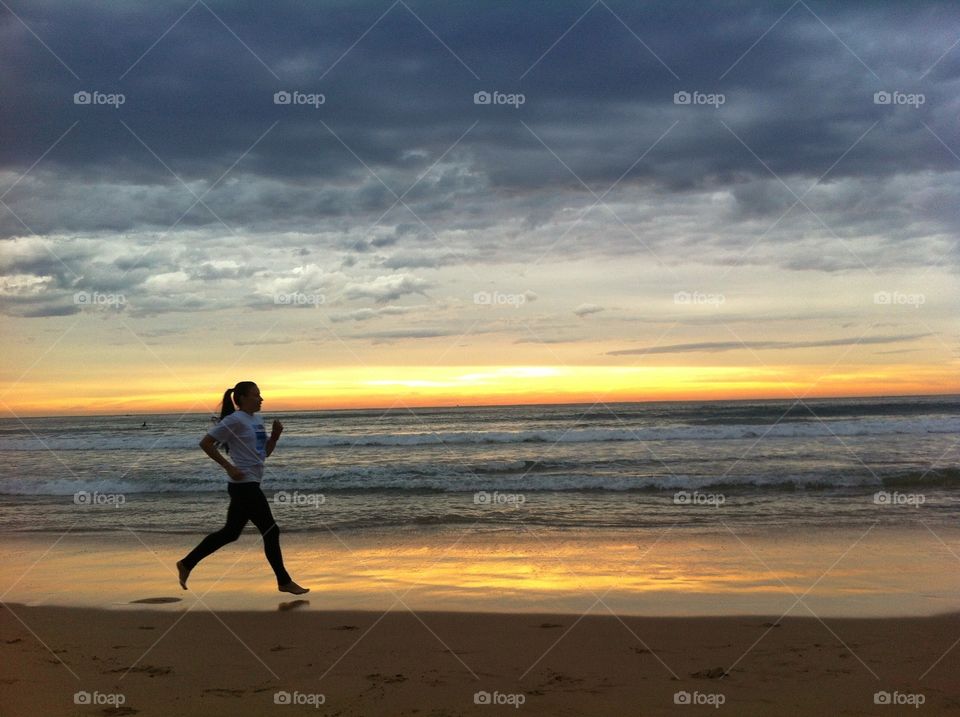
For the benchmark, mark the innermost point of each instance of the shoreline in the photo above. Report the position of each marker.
(437, 663)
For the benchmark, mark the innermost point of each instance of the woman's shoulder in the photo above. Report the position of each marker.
(241, 418)
(232, 419)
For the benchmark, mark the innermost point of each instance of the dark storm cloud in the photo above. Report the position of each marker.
(200, 99)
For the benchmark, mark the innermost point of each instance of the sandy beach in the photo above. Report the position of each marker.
(295, 661)
(409, 624)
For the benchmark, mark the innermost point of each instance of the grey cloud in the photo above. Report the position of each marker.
(587, 309)
(421, 260)
(367, 314)
(386, 288)
(549, 340)
(412, 333)
(720, 346)
(265, 342)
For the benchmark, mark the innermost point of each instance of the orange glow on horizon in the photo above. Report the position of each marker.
(415, 386)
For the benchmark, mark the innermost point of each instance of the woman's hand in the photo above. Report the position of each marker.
(235, 473)
(274, 436)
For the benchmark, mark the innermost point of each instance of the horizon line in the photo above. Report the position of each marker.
(386, 409)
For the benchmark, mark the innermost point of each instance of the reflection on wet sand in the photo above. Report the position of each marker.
(838, 572)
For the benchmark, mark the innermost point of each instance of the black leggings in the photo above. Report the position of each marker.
(247, 502)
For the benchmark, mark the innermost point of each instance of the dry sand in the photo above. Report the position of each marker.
(168, 661)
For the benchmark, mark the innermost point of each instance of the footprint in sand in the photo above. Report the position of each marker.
(277, 648)
(548, 625)
(14, 641)
(156, 601)
(558, 678)
(225, 692)
(431, 678)
(124, 710)
(144, 669)
(345, 627)
(711, 674)
(379, 679)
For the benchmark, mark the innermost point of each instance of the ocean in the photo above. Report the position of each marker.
(691, 466)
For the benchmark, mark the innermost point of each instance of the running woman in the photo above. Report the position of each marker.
(243, 435)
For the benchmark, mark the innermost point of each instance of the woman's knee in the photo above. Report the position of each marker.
(229, 534)
(272, 531)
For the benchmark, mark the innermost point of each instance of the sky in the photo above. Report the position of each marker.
(420, 203)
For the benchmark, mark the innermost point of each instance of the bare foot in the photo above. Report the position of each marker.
(184, 573)
(292, 588)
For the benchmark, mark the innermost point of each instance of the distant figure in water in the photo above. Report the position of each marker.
(144, 425)
(245, 439)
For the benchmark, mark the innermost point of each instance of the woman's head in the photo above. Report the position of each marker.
(245, 396)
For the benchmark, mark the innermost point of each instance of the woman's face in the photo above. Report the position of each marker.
(250, 401)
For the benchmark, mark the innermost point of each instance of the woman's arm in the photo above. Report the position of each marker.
(274, 436)
(209, 445)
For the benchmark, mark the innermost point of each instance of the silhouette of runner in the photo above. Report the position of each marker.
(244, 438)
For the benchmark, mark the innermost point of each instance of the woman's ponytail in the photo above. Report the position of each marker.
(227, 408)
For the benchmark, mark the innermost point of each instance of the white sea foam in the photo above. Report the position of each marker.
(369, 480)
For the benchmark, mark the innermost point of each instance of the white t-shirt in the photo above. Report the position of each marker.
(247, 439)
